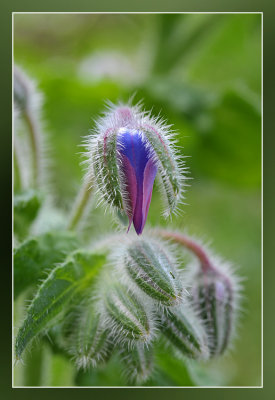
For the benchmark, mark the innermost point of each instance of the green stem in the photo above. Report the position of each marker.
(17, 167)
(33, 128)
(190, 244)
(80, 205)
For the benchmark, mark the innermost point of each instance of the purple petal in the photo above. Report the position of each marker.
(130, 177)
(140, 171)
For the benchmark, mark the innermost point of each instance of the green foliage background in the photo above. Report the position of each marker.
(203, 73)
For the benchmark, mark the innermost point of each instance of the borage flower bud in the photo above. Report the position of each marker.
(127, 317)
(152, 268)
(185, 331)
(215, 294)
(89, 343)
(125, 153)
(23, 89)
(138, 363)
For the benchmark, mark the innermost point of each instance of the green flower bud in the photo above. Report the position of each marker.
(138, 362)
(185, 331)
(152, 268)
(125, 314)
(90, 343)
(23, 89)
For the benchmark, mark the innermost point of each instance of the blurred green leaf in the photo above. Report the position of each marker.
(229, 52)
(173, 367)
(108, 375)
(36, 256)
(26, 207)
(44, 368)
(177, 36)
(53, 296)
(62, 371)
(231, 149)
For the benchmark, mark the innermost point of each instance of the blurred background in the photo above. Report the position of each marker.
(201, 72)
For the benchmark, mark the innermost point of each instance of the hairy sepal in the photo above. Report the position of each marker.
(90, 343)
(215, 295)
(186, 332)
(151, 266)
(128, 317)
(138, 362)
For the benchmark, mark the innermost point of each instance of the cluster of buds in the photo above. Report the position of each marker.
(143, 294)
(141, 298)
(125, 153)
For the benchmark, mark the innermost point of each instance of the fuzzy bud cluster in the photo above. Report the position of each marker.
(141, 297)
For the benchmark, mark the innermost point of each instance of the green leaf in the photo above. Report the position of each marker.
(54, 295)
(26, 207)
(35, 255)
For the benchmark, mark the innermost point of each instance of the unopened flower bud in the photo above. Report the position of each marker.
(215, 296)
(186, 332)
(152, 268)
(22, 88)
(125, 153)
(126, 316)
(25, 92)
(138, 363)
(90, 343)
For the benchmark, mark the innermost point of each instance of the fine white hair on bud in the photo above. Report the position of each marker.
(150, 266)
(28, 102)
(126, 150)
(184, 329)
(26, 95)
(129, 319)
(90, 343)
(216, 295)
(138, 362)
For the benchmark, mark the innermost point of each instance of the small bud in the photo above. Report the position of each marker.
(126, 151)
(89, 343)
(125, 314)
(154, 271)
(185, 331)
(22, 88)
(138, 363)
(28, 105)
(215, 294)
(26, 95)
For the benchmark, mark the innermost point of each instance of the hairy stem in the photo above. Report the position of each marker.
(80, 205)
(33, 128)
(190, 244)
(17, 167)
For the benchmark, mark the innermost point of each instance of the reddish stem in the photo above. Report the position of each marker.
(189, 244)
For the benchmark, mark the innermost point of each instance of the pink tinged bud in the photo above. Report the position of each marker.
(138, 170)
